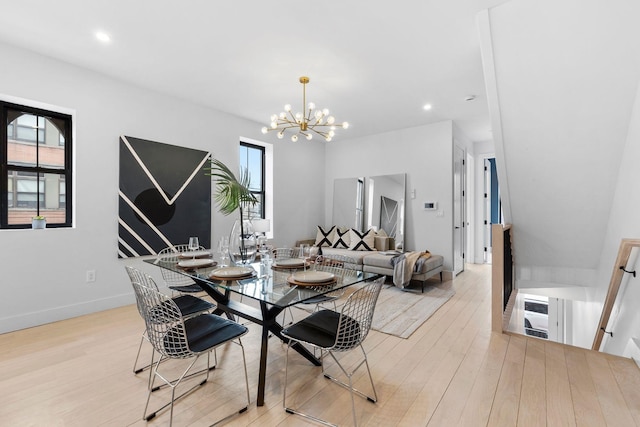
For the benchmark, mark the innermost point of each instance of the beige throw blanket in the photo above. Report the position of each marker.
(404, 265)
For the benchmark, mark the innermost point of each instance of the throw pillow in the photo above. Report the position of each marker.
(341, 238)
(361, 241)
(324, 238)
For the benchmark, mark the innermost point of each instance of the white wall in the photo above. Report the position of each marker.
(623, 223)
(44, 271)
(299, 190)
(425, 154)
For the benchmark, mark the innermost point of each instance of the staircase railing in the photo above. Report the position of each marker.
(619, 268)
(502, 276)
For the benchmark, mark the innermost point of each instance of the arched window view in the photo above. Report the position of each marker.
(37, 167)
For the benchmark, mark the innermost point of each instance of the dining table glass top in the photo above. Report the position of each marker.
(269, 284)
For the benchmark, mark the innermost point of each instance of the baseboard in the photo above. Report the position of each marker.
(37, 318)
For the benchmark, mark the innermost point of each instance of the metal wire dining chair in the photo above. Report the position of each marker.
(175, 281)
(175, 337)
(188, 305)
(283, 253)
(334, 332)
(340, 266)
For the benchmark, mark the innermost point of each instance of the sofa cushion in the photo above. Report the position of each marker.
(341, 238)
(362, 241)
(379, 260)
(325, 238)
(356, 255)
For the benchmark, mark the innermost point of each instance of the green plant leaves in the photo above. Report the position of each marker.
(231, 193)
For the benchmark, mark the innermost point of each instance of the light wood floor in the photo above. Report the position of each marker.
(451, 371)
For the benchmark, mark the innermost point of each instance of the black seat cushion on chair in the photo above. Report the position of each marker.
(321, 328)
(208, 330)
(188, 304)
(190, 289)
(319, 299)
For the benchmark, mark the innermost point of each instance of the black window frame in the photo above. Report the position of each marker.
(39, 170)
(261, 194)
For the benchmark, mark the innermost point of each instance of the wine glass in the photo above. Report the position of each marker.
(223, 248)
(304, 251)
(194, 245)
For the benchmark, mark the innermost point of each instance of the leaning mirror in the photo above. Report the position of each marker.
(348, 203)
(372, 201)
(385, 205)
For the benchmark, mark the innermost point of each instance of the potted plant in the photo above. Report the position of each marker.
(38, 222)
(233, 194)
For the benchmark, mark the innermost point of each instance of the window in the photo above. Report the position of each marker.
(36, 166)
(252, 158)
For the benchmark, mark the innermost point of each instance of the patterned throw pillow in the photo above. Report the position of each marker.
(325, 238)
(341, 238)
(362, 241)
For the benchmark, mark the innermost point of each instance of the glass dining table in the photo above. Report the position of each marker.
(262, 297)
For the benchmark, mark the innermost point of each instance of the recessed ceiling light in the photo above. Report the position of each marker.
(103, 37)
(427, 107)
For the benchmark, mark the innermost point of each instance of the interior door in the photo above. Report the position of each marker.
(487, 211)
(458, 210)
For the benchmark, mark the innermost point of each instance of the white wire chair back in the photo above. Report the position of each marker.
(283, 253)
(340, 265)
(173, 254)
(164, 322)
(136, 276)
(356, 316)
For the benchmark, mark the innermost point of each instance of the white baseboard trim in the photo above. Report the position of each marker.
(37, 318)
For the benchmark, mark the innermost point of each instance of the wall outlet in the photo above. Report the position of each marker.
(91, 276)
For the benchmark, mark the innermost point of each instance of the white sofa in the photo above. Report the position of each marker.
(379, 260)
(381, 264)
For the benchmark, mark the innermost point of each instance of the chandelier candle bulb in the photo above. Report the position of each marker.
(304, 123)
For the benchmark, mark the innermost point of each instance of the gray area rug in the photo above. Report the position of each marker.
(400, 312)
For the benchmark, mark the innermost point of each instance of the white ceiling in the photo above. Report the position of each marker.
(374, 64)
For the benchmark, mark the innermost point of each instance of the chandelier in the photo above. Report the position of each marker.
(306, 123)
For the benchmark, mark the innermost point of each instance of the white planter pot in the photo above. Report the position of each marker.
(38, 224)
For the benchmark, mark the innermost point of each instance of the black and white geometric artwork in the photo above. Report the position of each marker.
(164, 198)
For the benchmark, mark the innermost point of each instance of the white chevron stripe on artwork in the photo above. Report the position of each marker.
(146, 220)
(124, 243)
(135, 236)
(152, 178)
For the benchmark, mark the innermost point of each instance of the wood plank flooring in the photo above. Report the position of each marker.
(451, 371)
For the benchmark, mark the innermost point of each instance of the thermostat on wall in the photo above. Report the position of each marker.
(430, 206)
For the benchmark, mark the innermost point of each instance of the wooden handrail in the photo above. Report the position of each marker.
(498, 268)
(614, 286)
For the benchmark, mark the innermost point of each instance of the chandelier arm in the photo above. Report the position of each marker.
(282, 128)
(286, 122)
(319, 132)
(322, 125)
(291, 126)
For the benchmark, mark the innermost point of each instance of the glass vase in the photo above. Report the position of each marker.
(242, 243)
